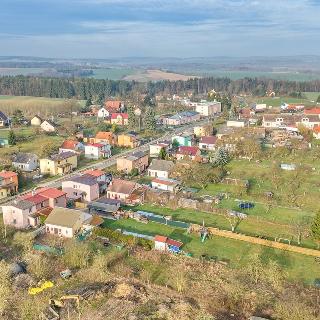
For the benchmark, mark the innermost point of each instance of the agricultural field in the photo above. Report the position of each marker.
(114, 73)
(236, 75)
(20, 71)
(313, 96)
(157, 75)
(34, 105)
(277, 101)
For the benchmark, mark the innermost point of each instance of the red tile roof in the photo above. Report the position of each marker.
(95, 173)
(312, 111)
(168, 241)
(166, 182)
(48, 193)
(113, 105)
(69, 144)
(188, 151)
(316, 129)
(97, 145)
(160, 238)
(123, 115)
(104, 135)
(8, 174)
(37, 199)
(208, 140)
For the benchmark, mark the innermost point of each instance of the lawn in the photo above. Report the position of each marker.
(33, 105)
(312, 95)
(277, 101)
(299, 267)
(113, 73)
(253, 225)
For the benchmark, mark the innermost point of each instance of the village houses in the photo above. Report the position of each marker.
(36, 121)
(208, 143)
(26, 162)
(138, 160)
(128, 140)
(72, 145)
(84, 187)
(126, 191)
(105, 137)
(8, 183)
(160, 168)
(207, 108)
(24, 212)
(48, 126)
(184, 152)
(155, 148)
(59, 164)
(4, 120)
(184, 117)
(97, 151)
(165, 184)
(120, 119)
(201, 131)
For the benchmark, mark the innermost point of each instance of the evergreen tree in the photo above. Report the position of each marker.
(89, 102)
(149, 119)
(175, 144)
(132, 121)
(162, 153)
(315, 228)
(318, 100)
(12, 140)
(221, 158)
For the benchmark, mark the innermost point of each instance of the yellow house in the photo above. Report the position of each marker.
(128, 140)
(203, 131)
(59, 164)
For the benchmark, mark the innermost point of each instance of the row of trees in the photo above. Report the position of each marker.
(99, 89)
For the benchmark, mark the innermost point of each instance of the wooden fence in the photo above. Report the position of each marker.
(262, 242)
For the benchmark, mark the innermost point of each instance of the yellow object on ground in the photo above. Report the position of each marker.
(45, 285)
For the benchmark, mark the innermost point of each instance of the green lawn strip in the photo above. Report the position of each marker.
(299, 267)
(251, 226)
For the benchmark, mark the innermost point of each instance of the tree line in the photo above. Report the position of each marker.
(85, 88)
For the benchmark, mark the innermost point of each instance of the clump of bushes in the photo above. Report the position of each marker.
(118, 237)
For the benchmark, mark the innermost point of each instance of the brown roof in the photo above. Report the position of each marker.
(64, 217)
(208, 140)
(69, 144)
(104, 135)
(122, 186)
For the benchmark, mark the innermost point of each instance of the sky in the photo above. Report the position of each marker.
(159, 28)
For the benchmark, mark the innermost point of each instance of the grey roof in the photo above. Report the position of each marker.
(85, 179)
(51, 123)
(62, 155)
(24, 157)
(161, 165)
(3, 116)
(21, 204)
(136, 155)
(64, 217)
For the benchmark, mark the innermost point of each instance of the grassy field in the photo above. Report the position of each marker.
(312, 95)
(277, 101)
(235, 75)
(299, 267)
(20, 71)
(33, 105)
(114, 73)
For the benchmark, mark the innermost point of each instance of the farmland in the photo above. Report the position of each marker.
(33, 105)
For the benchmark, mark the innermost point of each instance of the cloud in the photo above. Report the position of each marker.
(108, 28)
